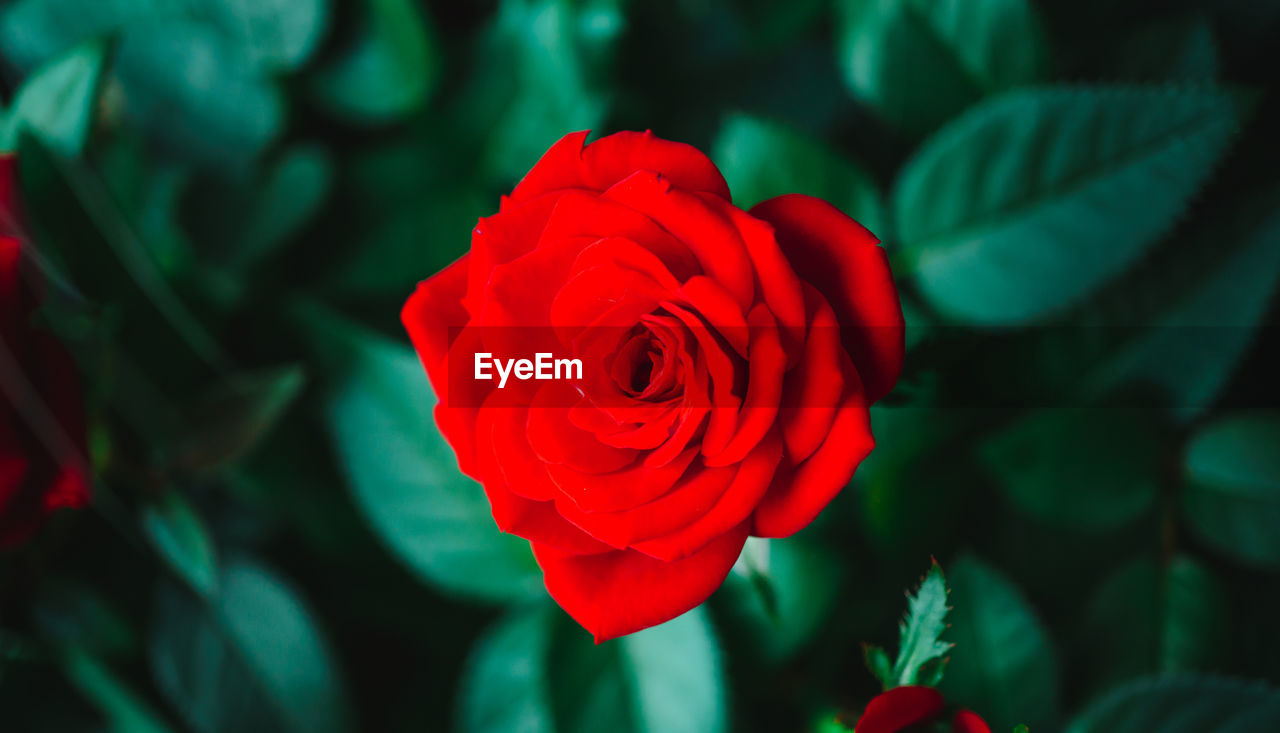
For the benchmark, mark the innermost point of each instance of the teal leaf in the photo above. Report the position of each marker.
(123, 708)
(179, 536)
(390, 70)
(536, 671)
(762, 159)
(275, 35)
(1033, 200)
(1232, 494)
(1178, 50)
(918, 63)
(404, 476)
(1183, 705)
(920, 633)
(57, 102)
(782, 598)
(1003, 664)
(176, 79)
(1082, 468)
(1148, 617)
(251, 659)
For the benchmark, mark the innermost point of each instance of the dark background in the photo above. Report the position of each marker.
(233, 198)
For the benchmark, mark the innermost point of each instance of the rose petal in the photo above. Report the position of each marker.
(813, 388)
(840, 258)
(764, 390)
(433, 316)
(749, 484)
(799, 495)
(896, 709)
(617, 593)
(571, 163)
(967, 721)
(711, 237)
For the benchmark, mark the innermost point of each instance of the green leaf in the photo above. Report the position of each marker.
(920, 633)
(57, 101)
(180, 537)
(277, 35)
(1082, 468)
(762, 159)
(1022, 729)
(1147, 618)
(536, 671)
(1188, 705)
(389, 72)
(403, 475)
(878, 663)
(70, 615)
(232, 418)
(541, 72)
(1032, 200)
(1180, 322)
(1003, 663)
(918, 63)
(1179, 50)
(177, 78)
(124, 710)
(783, 596)
(1232, 496)
(251, 659)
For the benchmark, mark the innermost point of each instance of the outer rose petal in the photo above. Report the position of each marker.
(571, 163)
(8, 193)
(840, 258)
(798, 496)
(617, 593)
(432, 316)
(891, 711)
(967, 721)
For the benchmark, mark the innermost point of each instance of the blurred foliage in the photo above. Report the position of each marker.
(232, 199)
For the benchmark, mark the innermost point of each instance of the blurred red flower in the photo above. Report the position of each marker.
(42, 425)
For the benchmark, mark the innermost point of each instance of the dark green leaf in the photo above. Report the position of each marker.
(70, 615)
(1188, 705)
(251, 659)
(784, 594)
(179, 536)
(231, 419)
(1148, 618)
(1232, 496)
(540, 75)
(1083, 468)
(762, 159)
(390, 71)
(1179, 50)
(536, 671)
(57, 101)
(918, 63)
(403, 475)
(1003, 664)
(920, 633)
(1031, 201)
(124, 710)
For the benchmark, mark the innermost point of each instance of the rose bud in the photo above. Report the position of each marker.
(42, 427)
(902, 707)
(729, 358)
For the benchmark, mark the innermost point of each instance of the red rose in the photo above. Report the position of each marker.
(42, 420)
(729, 359)
(902, 707)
